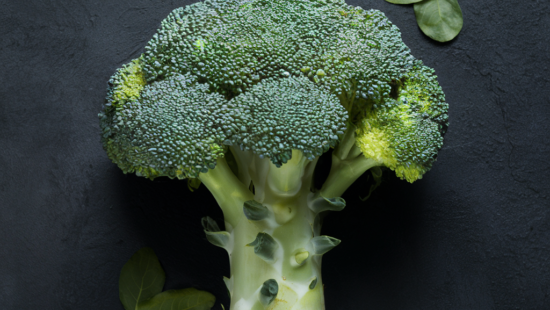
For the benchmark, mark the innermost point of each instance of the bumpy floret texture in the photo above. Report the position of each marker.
(177, 128)
(173, 129)
(234, 44)
(279, 115)
(127, 83)
(174, 110)
(405, 133)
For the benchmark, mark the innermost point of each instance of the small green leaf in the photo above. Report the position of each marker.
(255, 211)
(218, 238)
(403, 1)
(327, 204)
(141, 278)
(269, 291)
(440, 20)
(213, 233)
(265, 247)
(188, 299)
(337, 203)
(313, 283)
(209, 224)
(323, 244)
(228, 283)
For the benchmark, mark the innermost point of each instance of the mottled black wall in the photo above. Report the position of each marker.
(473, 234)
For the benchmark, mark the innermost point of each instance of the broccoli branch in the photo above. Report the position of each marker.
(348, 164)
(229, 192)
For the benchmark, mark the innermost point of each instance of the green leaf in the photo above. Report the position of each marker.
(209, 224)
(265, 247)
(214, 234)
(229, 284)
(403, 1)
(313, 283)
(301, 257)
(185, 299)
(440, 20)
(218, 238)
(327, 204)
(337, 203)
(269, 291)
(323, 244)
(141, 278)
(255, 211)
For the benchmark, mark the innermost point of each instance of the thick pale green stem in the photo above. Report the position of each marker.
(272, 235)
(274, 247)
(291, 261)
(294, 268)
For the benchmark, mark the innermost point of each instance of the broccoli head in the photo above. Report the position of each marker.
(228, 47)
(245, 96)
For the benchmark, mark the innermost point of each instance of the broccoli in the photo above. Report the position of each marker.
(244, 97)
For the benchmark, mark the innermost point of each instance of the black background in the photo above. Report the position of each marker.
(473, 234)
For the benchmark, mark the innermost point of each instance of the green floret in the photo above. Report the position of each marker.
(405, 134)
(174, 129)
(233, 45)
(278, 116)
(238, 49)
(127, 83)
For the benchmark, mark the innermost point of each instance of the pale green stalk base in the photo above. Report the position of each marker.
(249, 271)
(292, 221)
(285, 192)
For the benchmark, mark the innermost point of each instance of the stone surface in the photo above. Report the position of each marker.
(473, 234)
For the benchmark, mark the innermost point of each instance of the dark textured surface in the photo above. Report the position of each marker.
(473, 234)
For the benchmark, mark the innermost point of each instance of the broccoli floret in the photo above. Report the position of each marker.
(245, 96)
(233, 45)
(172, 128)
(405, 133)
(176, 128)
(287, 114)
(127, 83)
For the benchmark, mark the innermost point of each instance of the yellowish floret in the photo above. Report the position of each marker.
(129, 83)
(375, 144)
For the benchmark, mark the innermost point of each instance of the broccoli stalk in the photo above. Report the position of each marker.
(272, 241)
(244, 97)
(288, 214)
